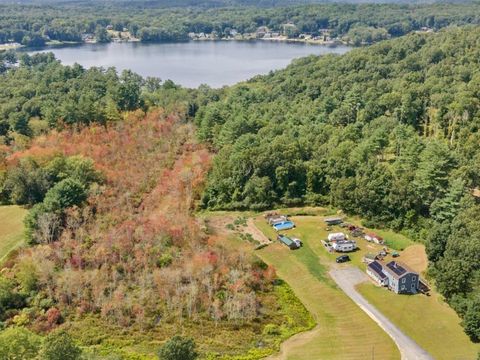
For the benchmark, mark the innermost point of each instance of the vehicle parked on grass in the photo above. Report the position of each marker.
(342, 259)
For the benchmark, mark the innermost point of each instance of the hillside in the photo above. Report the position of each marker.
(389, 132)
(130, 260)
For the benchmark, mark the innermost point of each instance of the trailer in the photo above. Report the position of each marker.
(337, 236)
(344, 246)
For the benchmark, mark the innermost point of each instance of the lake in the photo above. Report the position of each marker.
(216, 63)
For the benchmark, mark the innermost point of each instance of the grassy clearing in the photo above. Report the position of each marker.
(427, 320)
(344, 331)
(392, 239)
(11, 229)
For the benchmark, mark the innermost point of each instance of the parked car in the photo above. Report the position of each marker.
(342, 259)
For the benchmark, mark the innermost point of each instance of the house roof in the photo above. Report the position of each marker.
(397, 269)
(333, 219)
(377, 268)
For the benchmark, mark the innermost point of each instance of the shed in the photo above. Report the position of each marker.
(369, 258)
(371, 237)
(289, 242)
(333, 220)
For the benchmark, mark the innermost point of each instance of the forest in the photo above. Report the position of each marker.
(389, 132)
(35, 25)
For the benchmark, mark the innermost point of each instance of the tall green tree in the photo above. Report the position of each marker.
(178, 348)
(59, 345)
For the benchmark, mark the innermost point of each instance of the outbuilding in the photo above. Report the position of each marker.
(375, 271)
(292, 244)
(333, 221)
(371, 237)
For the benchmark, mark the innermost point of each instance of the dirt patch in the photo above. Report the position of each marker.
(256, 234)
(217, 225)
(415, 257)
(223, 225)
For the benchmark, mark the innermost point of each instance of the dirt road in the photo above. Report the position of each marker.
(346, 278)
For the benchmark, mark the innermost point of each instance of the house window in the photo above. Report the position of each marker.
(414, 278)
(403, 287)
(403, 281)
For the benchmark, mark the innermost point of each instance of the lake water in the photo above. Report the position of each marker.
(190, 64)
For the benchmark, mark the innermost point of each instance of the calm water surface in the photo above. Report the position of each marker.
(190, 64)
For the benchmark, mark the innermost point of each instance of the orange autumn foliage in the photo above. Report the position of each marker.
(135, 250)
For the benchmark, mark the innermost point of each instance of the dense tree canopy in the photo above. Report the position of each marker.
(42, 94)
(33, 25)
(389, 132)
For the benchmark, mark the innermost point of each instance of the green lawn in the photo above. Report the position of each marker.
(427, 320)
(344, 330)
(11, 229)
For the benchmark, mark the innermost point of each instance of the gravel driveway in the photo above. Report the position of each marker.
(346, 279)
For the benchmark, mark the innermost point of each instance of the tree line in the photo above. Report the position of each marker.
(40, 92)
(34, 25)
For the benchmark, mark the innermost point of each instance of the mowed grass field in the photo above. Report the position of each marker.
(427, 320)
(344, 331)
(11, 229)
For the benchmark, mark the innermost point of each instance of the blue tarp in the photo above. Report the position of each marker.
(284, 225)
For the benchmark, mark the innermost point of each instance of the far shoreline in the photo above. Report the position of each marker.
(60, 45)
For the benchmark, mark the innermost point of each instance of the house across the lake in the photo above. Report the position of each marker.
(397, 276)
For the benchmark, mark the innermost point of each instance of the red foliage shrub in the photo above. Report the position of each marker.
(54, 316)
